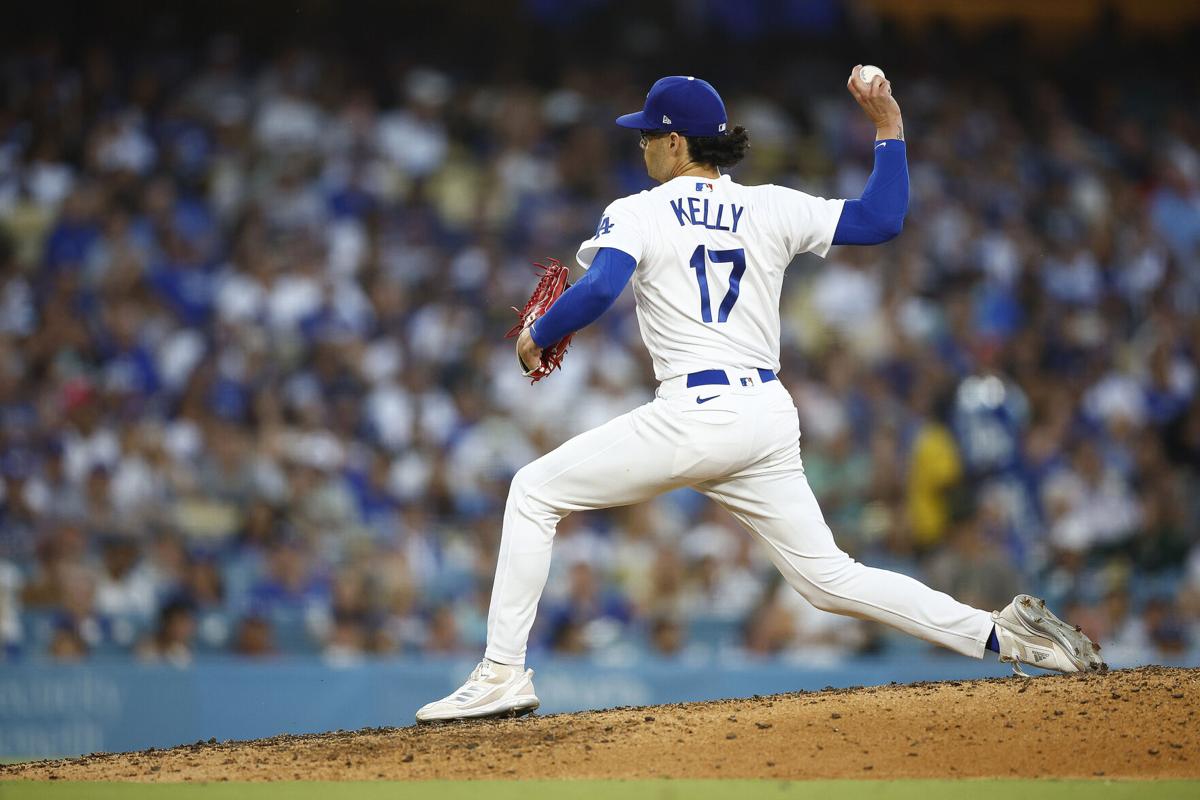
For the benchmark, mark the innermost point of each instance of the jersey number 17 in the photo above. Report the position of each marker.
(699, 263)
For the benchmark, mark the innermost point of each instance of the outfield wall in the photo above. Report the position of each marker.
(55, 710)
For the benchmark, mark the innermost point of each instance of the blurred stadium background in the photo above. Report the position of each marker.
(257, 417)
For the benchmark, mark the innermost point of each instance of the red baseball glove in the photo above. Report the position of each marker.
(550, 287)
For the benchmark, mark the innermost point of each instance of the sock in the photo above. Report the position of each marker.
(521, 667)
(993, 643)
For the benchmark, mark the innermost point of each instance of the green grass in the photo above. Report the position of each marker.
(984, 789)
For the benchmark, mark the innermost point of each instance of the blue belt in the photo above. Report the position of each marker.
(707, 377)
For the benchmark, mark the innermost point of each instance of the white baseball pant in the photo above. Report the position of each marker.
(740, 447)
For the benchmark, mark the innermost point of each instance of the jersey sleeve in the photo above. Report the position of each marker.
(619, 228)
(806, 223)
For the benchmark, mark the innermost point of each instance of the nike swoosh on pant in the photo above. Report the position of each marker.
(706, 399)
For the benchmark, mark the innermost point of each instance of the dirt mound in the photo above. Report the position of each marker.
(1139, 723)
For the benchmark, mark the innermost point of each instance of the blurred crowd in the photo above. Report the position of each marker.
(255, 397)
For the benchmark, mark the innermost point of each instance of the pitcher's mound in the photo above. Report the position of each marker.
(1140, 723)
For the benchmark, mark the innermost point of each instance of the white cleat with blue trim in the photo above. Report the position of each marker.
(492, 690)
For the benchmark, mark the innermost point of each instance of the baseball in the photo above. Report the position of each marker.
(869, 73)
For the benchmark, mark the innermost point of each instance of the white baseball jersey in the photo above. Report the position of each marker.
(710, 261)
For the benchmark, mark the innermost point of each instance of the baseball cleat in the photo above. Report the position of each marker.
(492, 690)
(1029, 633)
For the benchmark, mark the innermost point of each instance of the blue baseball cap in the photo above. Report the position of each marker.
(682, 104)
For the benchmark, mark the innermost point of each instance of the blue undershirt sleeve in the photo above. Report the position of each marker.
(586, 300)
(878, 215)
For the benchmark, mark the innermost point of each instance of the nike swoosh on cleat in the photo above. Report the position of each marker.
(706, 399)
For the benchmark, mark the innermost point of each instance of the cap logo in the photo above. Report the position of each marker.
(721, 127)
(666, 120)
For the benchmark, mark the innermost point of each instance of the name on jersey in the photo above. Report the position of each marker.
(707, 214)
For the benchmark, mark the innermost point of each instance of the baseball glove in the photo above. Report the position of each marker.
(550, 286)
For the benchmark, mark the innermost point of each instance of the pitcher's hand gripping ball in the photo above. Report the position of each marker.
(869, 72)
(550, 287)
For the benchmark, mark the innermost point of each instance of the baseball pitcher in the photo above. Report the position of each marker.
(706, 257)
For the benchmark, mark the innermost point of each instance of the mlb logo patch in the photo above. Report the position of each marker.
(703, 186)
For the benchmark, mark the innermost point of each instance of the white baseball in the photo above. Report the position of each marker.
(869, 73)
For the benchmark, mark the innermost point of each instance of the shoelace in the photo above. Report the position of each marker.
(1014, 658)
(475, 686)
(1016, 665)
